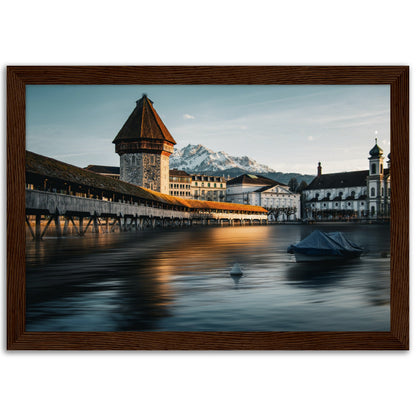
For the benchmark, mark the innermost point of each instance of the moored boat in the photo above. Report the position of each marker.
(320, 246)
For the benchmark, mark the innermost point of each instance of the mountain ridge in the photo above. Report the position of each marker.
(199, 159)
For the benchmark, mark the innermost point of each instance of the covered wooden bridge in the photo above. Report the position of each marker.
(76, 200)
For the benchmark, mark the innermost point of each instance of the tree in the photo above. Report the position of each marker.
(293, 184)
(301, 187)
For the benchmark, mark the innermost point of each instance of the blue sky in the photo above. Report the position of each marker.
(287, 127)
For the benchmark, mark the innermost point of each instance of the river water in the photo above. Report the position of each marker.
(179, 280)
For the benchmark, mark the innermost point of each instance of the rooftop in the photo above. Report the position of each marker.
(339, 180)
(178, 173)
(54, 169)
(109, 170)
(144, 123)
(249, 179)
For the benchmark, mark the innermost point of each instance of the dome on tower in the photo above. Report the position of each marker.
(376, 151)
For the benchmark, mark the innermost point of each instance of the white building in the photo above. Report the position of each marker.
(208, 188)
(281, 203)
(361, 194)
(179, 183)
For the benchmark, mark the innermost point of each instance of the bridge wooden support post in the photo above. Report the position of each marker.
(30, 227)
(95, 222)
(153, 220)
(37, 229)
(75, 226)
(58, 225)
(81, 225)
(47, 226)
(66, 223)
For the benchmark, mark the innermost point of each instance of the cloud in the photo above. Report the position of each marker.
(311, 138)
(188, 117)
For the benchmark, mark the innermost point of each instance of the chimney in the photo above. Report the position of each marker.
(319, 169)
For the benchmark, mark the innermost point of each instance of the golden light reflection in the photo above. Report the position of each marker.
(211, 248)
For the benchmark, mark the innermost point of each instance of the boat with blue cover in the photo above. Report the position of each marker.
(320, 246)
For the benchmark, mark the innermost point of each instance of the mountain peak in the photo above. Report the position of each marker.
(198, 158)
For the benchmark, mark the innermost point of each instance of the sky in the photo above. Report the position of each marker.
(286, 127)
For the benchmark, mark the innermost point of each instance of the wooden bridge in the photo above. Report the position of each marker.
(75, 200)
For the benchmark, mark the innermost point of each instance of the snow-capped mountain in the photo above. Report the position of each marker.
(197, 158)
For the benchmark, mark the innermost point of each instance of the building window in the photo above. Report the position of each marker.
(373, 169)
(382, 191)
(349, 204)
(373, 192)
(328, 195)
(353, 194)
(336, 204)
(340, 194)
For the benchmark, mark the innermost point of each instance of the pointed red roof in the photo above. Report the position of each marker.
(144, 123)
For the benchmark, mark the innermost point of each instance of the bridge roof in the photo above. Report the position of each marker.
(144, 123)
(54, 169)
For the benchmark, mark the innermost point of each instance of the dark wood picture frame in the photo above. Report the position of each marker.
(395, 76)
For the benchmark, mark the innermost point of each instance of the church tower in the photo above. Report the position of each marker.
(376, 191)
(144, 145)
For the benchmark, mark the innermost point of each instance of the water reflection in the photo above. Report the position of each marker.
(318, 275)
(180, 280)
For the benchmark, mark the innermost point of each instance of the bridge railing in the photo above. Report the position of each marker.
(61, 203)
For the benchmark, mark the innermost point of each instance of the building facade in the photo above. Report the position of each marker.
(208, 188)
(180, 183)
(281, 203)
(144, 145)
(350, 195)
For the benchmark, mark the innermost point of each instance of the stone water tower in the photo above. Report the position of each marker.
(144, 145)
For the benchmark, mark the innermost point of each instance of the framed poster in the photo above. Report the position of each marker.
(164, 252)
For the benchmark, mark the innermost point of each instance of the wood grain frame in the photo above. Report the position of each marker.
(395, 76)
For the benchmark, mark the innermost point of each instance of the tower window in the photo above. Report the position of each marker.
(373, 169)
(373, 192)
